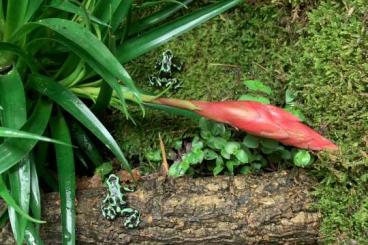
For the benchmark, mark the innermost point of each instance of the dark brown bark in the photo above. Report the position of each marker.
(269, 209)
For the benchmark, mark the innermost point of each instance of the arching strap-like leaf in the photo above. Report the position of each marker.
(13, 133)
(66, 176)
(14, 115)
(139, 45)
(72, 104)
(14, 150)
(5, 195)
(157, 17)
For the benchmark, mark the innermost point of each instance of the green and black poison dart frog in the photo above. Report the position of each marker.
(115, 204)
(166, 66)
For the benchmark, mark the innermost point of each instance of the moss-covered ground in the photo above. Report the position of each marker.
(317, 49)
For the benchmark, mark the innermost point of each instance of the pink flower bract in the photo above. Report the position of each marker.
(266, 121)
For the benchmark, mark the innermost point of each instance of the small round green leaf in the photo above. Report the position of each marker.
(224, 154)
(218, 129)
(216, 142)
(260, 99)
(218, 169)
(302, 158)
(204, 124)
(242, 156)
(251, 141)
(210, 154)
(256, 85)
(246, 170)
(232, 147)
(197, 143)
(230, 167)
(289, 96)
(205, 134)
(270, 144)
(195, 156)
(178, 169)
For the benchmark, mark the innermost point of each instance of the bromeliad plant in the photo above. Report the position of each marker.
(51, 52)
(218, 149)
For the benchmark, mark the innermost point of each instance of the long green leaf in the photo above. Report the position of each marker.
(41, 154)
(20, 187)
(85, 143)
(14, 150)
(14, 115)
(137, 46)
(15, 17)
(157, 17)
(13, 133)
(86, 41)
(35, 203)
(105, 9)
(5, 195)
(12, 100)
(32, 7)
(120, 14)
(66, 174)
(69, 102)
(31, 236)
(70, 7)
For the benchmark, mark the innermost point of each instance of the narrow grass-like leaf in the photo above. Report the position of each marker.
(104, 97)
(137, 46)
(15, 17)
(35, 203)
(5, 195)
(70, 7)
(157, 17)
(85, 143)
(13, 133)
(20, 187)
(41, 154)
(66, 174)
(105, 9)
(14, 150)
(12, 100)
(72, 104)
(120, 14)
(86, 41)
(31, 236)
(32, 7)
(83, 43)
(14, 115)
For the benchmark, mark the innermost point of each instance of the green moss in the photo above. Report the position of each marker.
(246, 43)
(318, 50)
(345, 213)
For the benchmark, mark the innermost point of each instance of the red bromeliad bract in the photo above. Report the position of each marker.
(258, 119)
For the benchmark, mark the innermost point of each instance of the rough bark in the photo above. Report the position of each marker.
(273, 208)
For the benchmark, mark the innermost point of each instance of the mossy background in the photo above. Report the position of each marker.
(319, 49)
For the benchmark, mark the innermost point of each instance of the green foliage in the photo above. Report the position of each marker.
(54, 55)
(329, 79)
(217, 149)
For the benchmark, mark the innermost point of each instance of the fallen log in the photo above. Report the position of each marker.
(273, 208)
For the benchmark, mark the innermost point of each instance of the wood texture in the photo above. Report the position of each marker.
(273, 208)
